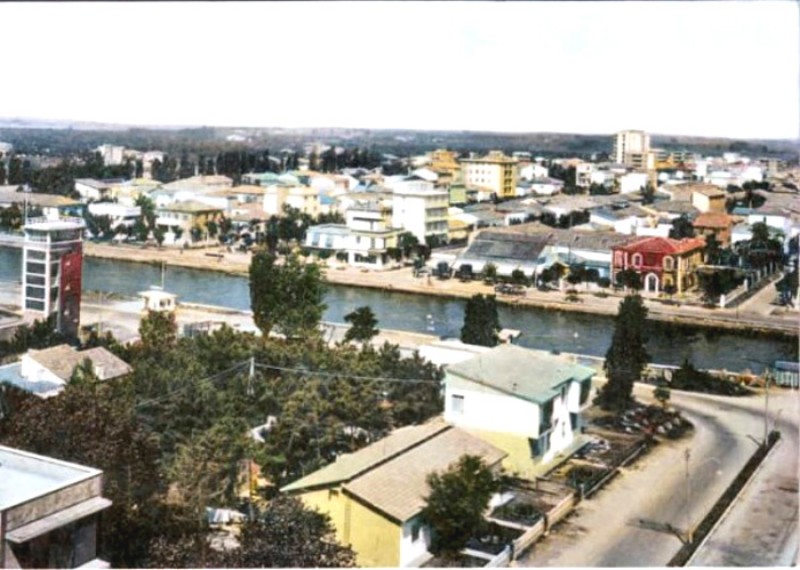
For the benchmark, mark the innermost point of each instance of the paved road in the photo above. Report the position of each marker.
(625, 524)
(761, 527)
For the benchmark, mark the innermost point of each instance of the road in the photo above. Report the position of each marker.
(761, 527)
(625, 524)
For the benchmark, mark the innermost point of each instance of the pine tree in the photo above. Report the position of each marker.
(626, 357)
(481, 322)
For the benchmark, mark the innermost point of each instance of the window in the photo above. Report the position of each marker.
(668, 263)
(457, 404)
(415, 531)
(637, 259)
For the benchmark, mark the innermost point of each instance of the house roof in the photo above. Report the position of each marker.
(62, 360)
(399, 487)
(654, 244)
(528, 374)
(601, 241)
(189, 207)
(713, 220)
(497, 246)
(347, 467)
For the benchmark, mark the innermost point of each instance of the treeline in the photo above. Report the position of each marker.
(18, 169)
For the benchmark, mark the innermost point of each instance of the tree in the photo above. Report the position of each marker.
(408, 242)
(456, 502)
(681, 228)
(288, 296)
(629, 279)
(648, 194)
(158, 331)
(362, 325)
(662, 394)
(489, 273)
(95, 425)
(481, 321)
(712, 250)
(626, 357)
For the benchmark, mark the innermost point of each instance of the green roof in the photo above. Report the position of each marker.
(531, 375)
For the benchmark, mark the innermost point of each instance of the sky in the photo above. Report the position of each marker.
(726, 69)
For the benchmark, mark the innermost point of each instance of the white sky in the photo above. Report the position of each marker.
(694, 68)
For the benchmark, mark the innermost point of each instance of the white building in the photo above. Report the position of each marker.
(420, 209)
(630, 147)
(525, 402)
(119, 214)
(533, 170)
(112, 154)
(632, 182)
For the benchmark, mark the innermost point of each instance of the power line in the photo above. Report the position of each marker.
(306, 372)
(302, 371)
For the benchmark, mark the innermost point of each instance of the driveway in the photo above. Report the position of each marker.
(627, 523)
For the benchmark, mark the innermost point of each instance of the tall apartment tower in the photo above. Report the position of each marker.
(632, 148)
(52, 266)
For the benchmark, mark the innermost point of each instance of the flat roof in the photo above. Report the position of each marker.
(25, 476)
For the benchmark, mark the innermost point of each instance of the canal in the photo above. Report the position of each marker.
(543, 329)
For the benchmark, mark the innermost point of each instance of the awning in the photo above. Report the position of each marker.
(57, 520)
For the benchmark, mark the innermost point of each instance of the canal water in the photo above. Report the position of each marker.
(543, 329)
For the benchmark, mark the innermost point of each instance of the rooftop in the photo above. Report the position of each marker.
(528, 374)
(654, 244)
(713, 220)
(24, 476)
(62, 360)
(189, 207)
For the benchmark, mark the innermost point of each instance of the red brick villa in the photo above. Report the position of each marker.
(660, 262)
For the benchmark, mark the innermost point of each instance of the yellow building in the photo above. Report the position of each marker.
(494, 173)
(375, 495)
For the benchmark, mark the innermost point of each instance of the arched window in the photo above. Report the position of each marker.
(637, 259)
(669, 263)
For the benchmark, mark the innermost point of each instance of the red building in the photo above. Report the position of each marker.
(662, 263)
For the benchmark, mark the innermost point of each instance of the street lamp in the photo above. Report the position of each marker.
(687, 456)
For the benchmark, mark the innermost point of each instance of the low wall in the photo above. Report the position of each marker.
(710, 521)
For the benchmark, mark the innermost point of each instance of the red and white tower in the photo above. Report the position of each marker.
(52, 266)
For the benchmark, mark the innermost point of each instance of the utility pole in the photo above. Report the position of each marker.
(767, 378)
(687, 456)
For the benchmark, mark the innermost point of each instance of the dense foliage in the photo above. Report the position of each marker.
(286, 294)
(481, 321)
(456, 504)
(173, 437)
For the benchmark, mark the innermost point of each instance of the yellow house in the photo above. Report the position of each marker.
(375, 495)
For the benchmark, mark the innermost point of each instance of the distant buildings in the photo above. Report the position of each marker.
(632, 148)
(112, 154)
(494, 173)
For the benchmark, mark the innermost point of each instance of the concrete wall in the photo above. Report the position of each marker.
(45, 505)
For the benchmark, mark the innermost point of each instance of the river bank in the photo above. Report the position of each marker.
(755, 315)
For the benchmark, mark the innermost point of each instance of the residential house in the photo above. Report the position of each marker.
(52, 206)
(372, 234)
(204, 181)
(420, 209)
(91, 189)
(632, 182)
(623, 218)
(525, 402)
(494, 173)
(532, 171)
(186, 216)
(293, 195)
(709, 199)
(662, 263)
(45, 372)
(118, 214)
(49, 511)
(715, 223)
(375, 496)
(546, 186)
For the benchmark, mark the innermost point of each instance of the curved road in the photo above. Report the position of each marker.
(627, 523)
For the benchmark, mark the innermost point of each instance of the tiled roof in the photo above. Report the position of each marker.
(713, 220)
(62, 360)
(520, 372)
(346, 467)
(663, 245)
(399, 487)
(190, 207)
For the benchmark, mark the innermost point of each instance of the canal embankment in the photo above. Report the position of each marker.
(773, 320)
